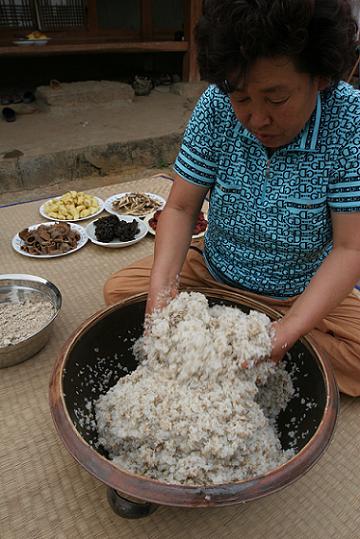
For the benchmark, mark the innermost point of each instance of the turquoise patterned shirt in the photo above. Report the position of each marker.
(269, 218)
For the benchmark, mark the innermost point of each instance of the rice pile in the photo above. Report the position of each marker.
(192, 411)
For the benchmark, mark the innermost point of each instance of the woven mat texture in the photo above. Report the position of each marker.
(46, 494)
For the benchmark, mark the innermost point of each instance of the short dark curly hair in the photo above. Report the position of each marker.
(319, 35)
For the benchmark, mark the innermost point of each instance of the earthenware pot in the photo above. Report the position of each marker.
(100, 351)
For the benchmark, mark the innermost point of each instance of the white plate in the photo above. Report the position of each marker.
(153, 232)
(17, 242)
(108, 206)
(115, 244)
(44, 214)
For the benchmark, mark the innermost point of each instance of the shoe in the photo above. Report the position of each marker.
(17, 99)
(5, 100)
(142, 85)
(28, 97)
(9, 114)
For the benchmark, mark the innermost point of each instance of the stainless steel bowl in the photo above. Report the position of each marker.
(14, 288)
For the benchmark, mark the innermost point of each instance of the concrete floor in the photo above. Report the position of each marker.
(72, 128)
(57, 148)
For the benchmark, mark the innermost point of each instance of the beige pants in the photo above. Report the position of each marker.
(337, 336)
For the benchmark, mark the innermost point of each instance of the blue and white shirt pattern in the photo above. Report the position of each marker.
(269, 219)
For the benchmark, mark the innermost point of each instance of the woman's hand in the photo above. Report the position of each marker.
(160, 296)
(172, 240)
(283, 339)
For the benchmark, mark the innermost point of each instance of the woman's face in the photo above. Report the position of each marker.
(275, 100)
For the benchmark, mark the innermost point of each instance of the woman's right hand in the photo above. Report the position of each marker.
(172, 240)
(160, 296)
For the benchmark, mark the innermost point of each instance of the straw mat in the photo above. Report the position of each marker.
(46, 494)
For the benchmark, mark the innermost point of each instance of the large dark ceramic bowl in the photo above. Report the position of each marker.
(99, 352)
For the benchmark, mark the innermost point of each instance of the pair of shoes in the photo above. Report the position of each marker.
(11, 99)
(142, 85)
(9, 114)
(27, 97)
(6, 100)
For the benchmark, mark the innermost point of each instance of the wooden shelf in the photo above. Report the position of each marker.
(94, 47)
(92, 39)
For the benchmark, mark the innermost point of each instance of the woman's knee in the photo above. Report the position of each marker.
(344, 356)
(128, 282)
(118, 289)
(112, 290)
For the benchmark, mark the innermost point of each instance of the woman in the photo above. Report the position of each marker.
(276, 140)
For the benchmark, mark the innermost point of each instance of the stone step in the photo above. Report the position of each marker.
(19, 171)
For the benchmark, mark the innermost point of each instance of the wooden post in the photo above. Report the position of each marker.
(146, 20)
(193, 9)
(92, 23)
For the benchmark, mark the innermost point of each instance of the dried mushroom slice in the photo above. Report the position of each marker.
(136, 204)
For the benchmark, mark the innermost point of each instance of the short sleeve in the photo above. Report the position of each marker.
(344, 186)
(197, 158)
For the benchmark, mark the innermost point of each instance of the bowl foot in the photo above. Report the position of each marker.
(126, 508)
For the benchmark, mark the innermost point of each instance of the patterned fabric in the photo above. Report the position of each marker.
(269, 219)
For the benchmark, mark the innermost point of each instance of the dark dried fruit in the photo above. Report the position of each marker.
(105, 234)
(126, 231)
(110, 228)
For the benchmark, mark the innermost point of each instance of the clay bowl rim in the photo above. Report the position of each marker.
(171, 494)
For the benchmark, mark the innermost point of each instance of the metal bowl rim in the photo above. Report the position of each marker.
(57, 305)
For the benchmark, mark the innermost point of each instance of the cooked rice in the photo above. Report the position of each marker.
(192, 410)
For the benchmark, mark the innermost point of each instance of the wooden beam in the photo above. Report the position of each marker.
(79, 48)
(193, 9)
